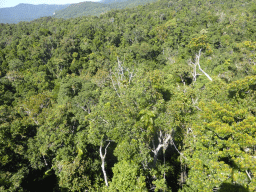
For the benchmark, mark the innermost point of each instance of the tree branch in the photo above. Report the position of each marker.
(163, 142)
(198, 57)
(103, 162)
(248, 174)
(177, 148)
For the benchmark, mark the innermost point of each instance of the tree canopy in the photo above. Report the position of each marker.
(159, 97)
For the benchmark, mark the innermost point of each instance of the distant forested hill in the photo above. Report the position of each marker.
(97, 8)
(28, 12)
(112, 1)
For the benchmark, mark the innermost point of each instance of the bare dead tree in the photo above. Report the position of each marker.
(121, 77)
(198, 58)
(195, 103)
(45, 162)
(248, 174)
(163, 140)
(194, 66)
(194, 73)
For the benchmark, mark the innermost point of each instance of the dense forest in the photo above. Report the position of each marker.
(29, 12)
(159, 97)
(97, 8)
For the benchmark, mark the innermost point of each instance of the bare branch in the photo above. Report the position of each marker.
(194, 74)
(121, 77)
(114, 86)
(103, 161)
(248, 174)
(163, 142)
(194, 102)
(189, 129)
(194, 65)
(198, 57)
(45, 162)
(177, 149)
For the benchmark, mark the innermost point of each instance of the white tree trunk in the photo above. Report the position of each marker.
(198, 57)
(197, 62)
(103, 162)
(163, 142)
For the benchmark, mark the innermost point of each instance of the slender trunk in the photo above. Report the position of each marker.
(103, 162)
(156, 153)
(45, 162)
(198, 57)
(164, 164)
(104, 173)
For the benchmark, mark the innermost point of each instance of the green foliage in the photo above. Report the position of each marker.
(127, 177)
(123, 95)
(97, 8)
(221, 150)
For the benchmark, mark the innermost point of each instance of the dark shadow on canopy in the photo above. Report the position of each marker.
(229, 187)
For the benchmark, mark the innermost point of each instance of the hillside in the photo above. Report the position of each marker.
(82, 9)
(27, 12)
(112, 1)
(159, 97)
(97, 8)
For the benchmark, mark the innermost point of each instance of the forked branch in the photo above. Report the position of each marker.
(197, 63)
